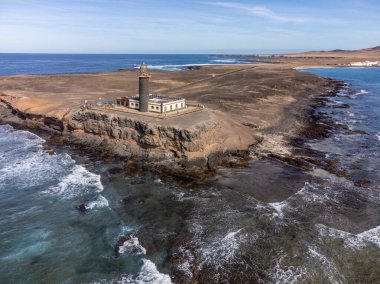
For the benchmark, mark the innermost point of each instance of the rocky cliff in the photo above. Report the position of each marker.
(189, 153)
(148, 144)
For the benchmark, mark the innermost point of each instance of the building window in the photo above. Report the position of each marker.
(181, 105)
(171, 107)
(157, 107)
(152, 107)
(176, 106)
(132, 104)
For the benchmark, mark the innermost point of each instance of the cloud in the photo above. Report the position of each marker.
(259, 11)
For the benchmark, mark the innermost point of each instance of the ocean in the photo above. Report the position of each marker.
(40, 64)
(268, 222)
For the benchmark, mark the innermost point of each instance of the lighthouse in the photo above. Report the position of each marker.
(144, 88)
(154, 103)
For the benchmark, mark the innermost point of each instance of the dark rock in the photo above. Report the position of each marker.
(355, 132)
(115, 171)
(363, 182)
(135, 181)
(342, 126)
(214, 160)
(134, 168)
(293, 161)
(120, 242)
(82, 208)
(249, 124)
(341, 106)
(333, 167)
(194, 67)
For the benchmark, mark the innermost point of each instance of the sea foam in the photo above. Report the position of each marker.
(99, 203)
(132, 246)
(148, 274)
(24, 162)
(353, 241)
(78, 182)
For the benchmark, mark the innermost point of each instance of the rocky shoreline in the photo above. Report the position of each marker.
(138, 146)
(165, 150)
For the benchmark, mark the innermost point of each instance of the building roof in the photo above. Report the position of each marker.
(159, 98)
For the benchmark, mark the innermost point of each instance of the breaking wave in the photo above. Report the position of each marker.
(132, 246)
(353, 241)
(148, 274)
(99, 203)
(287, 274)
(24, 164)
(78, 182)
(223, 250)
(226, 60)
(181, 67)
(308, 193)
(361, 92)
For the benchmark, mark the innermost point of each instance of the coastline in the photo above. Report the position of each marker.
(281, 195)
(273, 140)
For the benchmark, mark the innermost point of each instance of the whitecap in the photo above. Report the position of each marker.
(372, 235)
(150, 275)
(78, 182)
(279, 208)
(180, 67)
(361, 92)
(378, 136)
(224, 250)
(351, 240)
(185, 266)
(11, 139)
(99, 203)
(329, 267)
(158, 180)
(34, 168)
(305, 193)
(132, 246)
(287, 274)
(225, 60)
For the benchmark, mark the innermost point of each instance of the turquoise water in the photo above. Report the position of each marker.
(360, 153)
(44, 238)
(267, 222)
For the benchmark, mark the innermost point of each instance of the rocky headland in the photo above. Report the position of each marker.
(251, 110)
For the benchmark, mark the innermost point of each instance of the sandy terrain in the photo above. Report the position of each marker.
(247, 100)
(250, 103)
(324, 58)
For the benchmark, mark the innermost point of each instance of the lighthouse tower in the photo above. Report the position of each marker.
(144, 88)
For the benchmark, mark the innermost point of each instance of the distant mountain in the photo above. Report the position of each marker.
(364, 49)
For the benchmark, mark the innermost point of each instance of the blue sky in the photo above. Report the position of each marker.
(169, 26)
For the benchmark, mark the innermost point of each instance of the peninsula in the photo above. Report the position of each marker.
(239, 111)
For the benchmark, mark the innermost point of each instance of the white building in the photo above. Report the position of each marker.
(366, 63)
(160, 104)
